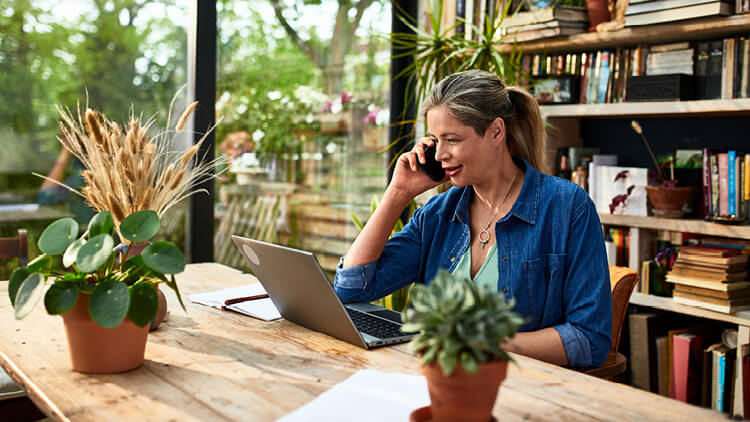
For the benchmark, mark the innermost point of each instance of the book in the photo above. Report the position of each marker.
(708, 275)
(733, 294)
(685, 12)
(713, 88)
(662, 365)
(706, 173)
(745, 300)
(567, 13)
(727, 71)
(525, 35)
(723, 162)
(708, 260)
(732, 183)
(686, 367)
(745, 368)
(257, 305)
(707, 250)
(700, 303)
(644, 328)
(654, 5)
(746, 186)
(556, 23)
(722, 286)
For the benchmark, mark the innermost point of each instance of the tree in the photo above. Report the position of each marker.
(328, 56)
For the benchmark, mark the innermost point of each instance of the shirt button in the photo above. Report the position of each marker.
(505, 258)
(453, 259)
(505, 290)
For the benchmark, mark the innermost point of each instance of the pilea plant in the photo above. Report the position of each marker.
(459, 322)
(89, 265)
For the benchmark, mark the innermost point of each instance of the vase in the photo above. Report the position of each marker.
(98, 350)
(668, 202)
(598, 12)
(462, 396)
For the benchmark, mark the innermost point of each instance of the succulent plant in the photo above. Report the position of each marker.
(458, 321)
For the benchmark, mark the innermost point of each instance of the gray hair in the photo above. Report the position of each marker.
(476, 98)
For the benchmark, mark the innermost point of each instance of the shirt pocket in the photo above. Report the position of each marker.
(543, 278)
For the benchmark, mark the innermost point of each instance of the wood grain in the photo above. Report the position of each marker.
(221, 366)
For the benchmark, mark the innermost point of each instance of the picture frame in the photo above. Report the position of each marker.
(557, 90)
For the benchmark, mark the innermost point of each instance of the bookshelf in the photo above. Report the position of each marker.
(566, 122)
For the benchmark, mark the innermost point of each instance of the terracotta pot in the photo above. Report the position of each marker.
(127, 251)
(463, 396)
(668, 202)
(98, 350)
(598, 13)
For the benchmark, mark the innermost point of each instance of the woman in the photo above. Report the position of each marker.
(537, 238)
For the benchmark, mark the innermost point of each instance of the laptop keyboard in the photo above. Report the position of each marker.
(374, 326)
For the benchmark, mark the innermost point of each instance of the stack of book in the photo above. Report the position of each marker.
(711, 277)
(648, 12)
(544, 23)
(665, 59)
(726, 185)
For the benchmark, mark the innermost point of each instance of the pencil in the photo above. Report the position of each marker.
(245, 299)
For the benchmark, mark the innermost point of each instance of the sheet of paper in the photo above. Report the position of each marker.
(259, 308)
(19, 207)
(368, 395)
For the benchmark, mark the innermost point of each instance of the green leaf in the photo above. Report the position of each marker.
(140, 226)
(29, 294)
(16, 279)
(94, 253)
(173, 284)
(61, 297)
(448, 361)
(40, 263)
(469, 364)
(101, 223)
(144, 303)
(109, 303)
(164, 257)
(69, 258)
(57, 236)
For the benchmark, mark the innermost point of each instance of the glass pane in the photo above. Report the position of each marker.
(112, 54)
(303, 93)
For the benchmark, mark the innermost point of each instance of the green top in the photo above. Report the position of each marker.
(487, 274)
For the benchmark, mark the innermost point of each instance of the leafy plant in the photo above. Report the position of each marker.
(459, 322)
(89, 265)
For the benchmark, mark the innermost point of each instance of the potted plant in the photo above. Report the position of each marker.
(106, 294)
(107, 303)
(460, 329)
(667, 198)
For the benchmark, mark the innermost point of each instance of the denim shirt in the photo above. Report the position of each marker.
(551, 259)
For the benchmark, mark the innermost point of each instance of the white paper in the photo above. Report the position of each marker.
(368, 395)
(259, 308)
(19, 207)
(604, 189)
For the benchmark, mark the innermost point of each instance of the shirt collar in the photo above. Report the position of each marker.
(526, 207)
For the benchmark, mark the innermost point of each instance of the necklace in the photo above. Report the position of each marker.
(484, 235)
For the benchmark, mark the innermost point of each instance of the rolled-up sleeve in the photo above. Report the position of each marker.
(586, 332)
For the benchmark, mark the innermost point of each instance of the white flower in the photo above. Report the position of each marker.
(274, 95)
(383, 117)
(331, 148)
(336, 107)
(258, 135)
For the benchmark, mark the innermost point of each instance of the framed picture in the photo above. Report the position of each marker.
(557, 90)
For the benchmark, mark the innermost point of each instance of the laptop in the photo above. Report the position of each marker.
(302, 293)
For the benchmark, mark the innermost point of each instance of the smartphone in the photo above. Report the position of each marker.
(432, 168)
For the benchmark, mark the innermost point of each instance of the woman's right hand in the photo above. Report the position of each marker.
(407, 176)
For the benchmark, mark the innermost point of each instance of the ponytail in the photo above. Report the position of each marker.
(525, 130)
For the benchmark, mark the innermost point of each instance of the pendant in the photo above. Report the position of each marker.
(484, 237)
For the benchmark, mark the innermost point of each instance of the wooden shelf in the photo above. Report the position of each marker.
(667, 304)
(651, 109)
(677, 225)
(693, 29)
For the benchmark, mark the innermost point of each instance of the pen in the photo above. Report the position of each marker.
(245, 299)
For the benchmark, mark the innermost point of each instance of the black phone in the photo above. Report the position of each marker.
(432, 168)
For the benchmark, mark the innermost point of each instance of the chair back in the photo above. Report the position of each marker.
(622, 281)
(15, 247)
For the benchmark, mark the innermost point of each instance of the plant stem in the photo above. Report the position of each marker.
(653, 157)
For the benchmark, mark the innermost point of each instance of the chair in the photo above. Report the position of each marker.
(16, 247)
(13, 401)
(622, 282)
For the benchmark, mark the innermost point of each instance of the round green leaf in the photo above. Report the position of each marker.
(69, 258)
(143, 303)
(94, 253)
(101, 223)
(58, 235)
(28, 294)
(109, 303)
(61, 297)
(164, 257)
(140, 226)
(40, 263)
(16, 278)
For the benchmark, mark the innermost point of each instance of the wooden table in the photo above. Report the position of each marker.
(218, 365)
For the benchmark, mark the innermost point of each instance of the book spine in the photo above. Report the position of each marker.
(746, 190)
(721, 383)
(716, 53)
(737, 71)
(701, 68)
(714, 185)
(731, 183)
(706, 160)
(745, 77)
(723, 161)
(604, 77)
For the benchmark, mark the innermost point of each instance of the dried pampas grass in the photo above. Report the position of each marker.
(126, 171)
